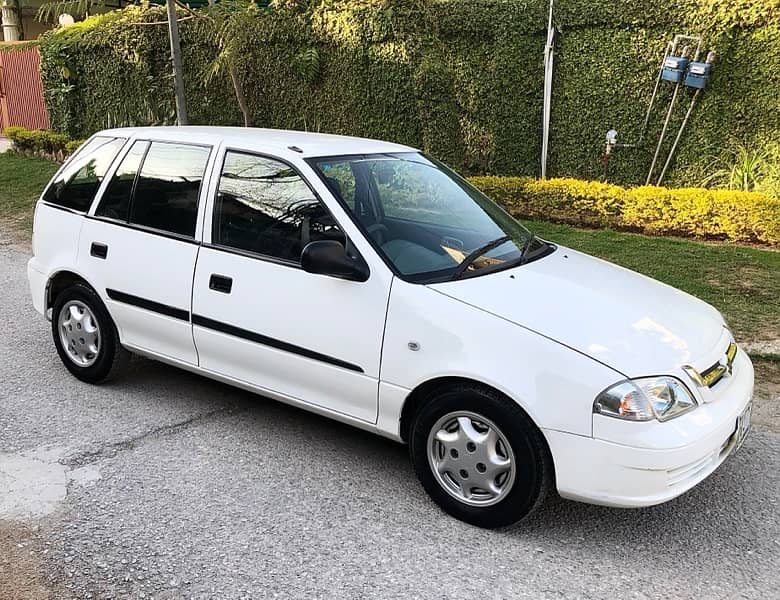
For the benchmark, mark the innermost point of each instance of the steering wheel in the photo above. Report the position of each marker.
(378, 232)
(325, 220)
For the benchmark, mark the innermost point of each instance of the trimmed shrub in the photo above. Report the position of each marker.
(723, 214)
(693, 212)
(40, 142)
(72, 146)
(588, 203)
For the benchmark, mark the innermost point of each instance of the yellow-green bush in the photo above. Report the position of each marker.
(729, 214)
(695, 212)
(72, 146)
(49, 144)
(36, 140)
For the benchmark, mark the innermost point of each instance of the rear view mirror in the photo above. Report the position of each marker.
(329, 257)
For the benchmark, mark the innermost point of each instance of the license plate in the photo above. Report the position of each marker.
(743, 425)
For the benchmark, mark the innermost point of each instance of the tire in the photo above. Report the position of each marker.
(86, 316)
(472, 411)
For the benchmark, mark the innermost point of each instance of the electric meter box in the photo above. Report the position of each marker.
(698, 75)
(674, 68)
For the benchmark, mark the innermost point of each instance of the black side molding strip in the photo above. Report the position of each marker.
(163, 309)
(271, 342)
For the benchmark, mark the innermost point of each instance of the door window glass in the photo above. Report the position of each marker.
(115, 203)
(166, 193)
(75, 187)
(265, 207)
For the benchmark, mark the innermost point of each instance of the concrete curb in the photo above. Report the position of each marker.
(769, 348)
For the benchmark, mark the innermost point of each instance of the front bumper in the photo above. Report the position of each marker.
(666, 460)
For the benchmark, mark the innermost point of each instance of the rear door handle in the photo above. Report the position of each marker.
(98, 250)
(220, 283)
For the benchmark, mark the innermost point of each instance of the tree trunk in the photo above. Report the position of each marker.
(178, 75)
(239, 90)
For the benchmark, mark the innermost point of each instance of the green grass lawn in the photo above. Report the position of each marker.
(21, 181)
(742, 282)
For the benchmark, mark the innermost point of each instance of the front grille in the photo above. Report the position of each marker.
(716, 372)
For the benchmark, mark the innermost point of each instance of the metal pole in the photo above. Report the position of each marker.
(709, 60)
(655, 93)
(677, 139)
(178, 74)
(666, 121)
(663, 134)
(546, 106)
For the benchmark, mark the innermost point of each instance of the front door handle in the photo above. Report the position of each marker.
(220, 283)
(98, 250)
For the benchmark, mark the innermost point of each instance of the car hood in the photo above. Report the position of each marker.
(632, 323)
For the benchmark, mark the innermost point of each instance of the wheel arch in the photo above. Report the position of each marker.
(61, 280)
(420, 395)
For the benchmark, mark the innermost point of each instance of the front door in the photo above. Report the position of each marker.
(258, 317)
(140, 246)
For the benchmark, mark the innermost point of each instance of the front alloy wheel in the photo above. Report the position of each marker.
(471, 458)
(479, 456)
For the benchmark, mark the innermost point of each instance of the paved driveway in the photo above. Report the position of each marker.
(168, 485)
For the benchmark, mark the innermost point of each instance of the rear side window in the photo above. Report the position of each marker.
(115, 203)
(166, 193)
(75, 187)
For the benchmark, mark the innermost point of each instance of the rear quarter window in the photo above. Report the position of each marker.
(76, 185)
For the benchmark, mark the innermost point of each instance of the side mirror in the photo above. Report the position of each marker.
(329, 257)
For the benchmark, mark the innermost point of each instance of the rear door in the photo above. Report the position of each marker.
(260, 318)
(140, 245)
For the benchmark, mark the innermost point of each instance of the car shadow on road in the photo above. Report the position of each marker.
(729, 501)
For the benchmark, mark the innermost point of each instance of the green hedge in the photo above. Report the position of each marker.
(459, 79)
(693, 212)
(48, 144)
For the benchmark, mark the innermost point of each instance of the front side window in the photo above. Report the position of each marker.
(75, 187)
(167, 188)
(265, 207)
(430, 223)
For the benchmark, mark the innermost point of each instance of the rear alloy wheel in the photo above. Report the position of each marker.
(479, 456)
(79, 333)
(85, 335)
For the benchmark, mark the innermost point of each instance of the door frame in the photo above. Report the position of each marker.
(320, 191)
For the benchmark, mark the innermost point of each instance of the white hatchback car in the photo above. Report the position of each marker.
(365, 281)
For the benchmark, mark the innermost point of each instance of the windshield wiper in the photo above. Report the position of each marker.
(525, 248)
(477, 253)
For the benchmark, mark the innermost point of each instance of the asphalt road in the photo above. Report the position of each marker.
(167, 485)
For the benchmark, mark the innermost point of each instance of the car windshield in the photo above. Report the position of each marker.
(429, 222)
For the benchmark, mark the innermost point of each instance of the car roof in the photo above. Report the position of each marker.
(263, 140)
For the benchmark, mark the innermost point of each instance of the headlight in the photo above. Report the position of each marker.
(644, 399)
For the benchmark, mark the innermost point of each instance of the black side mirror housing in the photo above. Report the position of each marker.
(329, 257)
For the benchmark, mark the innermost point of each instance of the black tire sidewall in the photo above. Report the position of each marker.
(100, 369)
(531, 463)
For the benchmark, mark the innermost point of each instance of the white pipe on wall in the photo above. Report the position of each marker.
(549, 53)
(10, 14)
